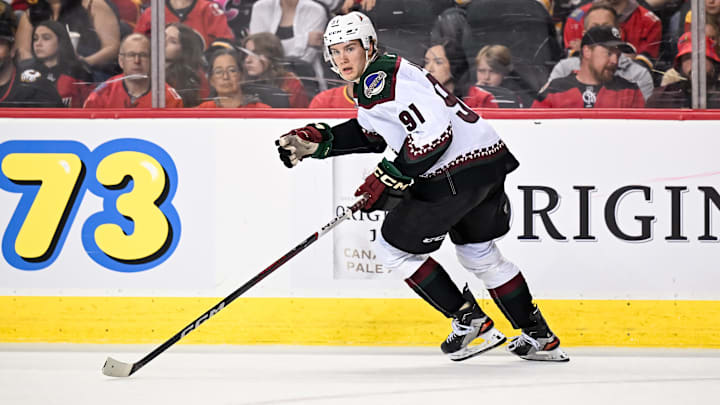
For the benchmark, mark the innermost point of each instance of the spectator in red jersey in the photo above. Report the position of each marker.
(21, 88)
(640, 26)
(226, 77)
(184, 63)
(595, 85)
(131, 89)
(55, 57)
(448, 64)
(263, 63)
(94, 21)
(679, 94)
(336, 97)
(204, 16)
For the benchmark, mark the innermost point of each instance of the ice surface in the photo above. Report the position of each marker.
(70, 374)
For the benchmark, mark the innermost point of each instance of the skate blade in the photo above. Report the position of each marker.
(491, 339)
(555, 354)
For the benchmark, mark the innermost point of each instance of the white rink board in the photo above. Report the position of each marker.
(241, 210)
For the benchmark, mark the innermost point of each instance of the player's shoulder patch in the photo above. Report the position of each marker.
(377, 85)
(30, 76)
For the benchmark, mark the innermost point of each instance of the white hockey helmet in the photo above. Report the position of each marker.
(347, 27)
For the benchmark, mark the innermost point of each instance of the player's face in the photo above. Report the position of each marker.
(45, 43)
(255, 64)
(486, 76)
(349, 57)
(173, 48)
(225, 76)
(134, 57)
(437, 63)
(603, 62)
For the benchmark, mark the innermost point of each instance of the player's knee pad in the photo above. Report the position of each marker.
(487, 263)
(397, 260)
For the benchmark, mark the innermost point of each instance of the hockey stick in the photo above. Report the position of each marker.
(115, 368)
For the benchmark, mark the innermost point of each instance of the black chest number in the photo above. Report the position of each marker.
(407, 119)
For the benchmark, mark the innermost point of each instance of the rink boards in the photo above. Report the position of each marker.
(615, 226)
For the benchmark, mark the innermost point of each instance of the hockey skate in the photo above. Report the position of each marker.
(470, 323)
(538, 342)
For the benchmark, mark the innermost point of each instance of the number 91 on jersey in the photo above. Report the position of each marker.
(137, 229)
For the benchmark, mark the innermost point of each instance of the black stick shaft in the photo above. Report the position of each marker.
(240, 291)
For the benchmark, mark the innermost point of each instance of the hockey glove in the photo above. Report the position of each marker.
(314, 140)
(385, 180)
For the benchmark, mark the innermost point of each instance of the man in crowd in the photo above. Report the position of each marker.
(641, 27)
(601, 14)
(595, 85)
(679, 94)
(131, 89)
(22, 88)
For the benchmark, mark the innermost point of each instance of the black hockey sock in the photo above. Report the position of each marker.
(514, 300)
(432, 283)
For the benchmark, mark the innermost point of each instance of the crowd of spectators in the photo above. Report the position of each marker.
(268, 53)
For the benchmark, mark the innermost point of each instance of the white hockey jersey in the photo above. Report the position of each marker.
(432, 131)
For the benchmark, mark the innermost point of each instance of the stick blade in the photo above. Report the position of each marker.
(115, 368)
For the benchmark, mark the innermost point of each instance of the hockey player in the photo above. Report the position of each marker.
(448, 177)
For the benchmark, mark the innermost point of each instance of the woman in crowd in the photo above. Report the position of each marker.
(263, 64)
(448, 64)
(55, 56)
(299, 25)
(93, 20)
(495, 75)
(226, 79)
(184, 64)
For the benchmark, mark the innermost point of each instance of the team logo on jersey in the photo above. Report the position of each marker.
(374, 84)
(30, 76)
(589, 97)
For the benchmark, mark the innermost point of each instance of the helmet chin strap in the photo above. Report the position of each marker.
(368, 61)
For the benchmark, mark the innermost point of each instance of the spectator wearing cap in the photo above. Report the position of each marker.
(22, 88)
(601, 14)
(595, 85)
(204, 16)
(642, 28)
(131, 89)
(447, 63)
(679, 94)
